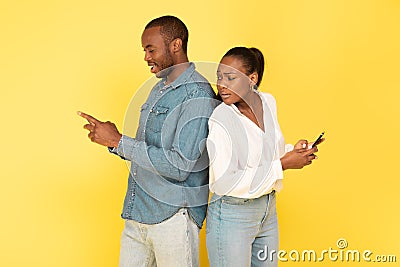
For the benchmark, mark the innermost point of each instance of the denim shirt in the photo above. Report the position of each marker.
(169, 162)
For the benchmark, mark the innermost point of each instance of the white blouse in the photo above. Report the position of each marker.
(244, 160)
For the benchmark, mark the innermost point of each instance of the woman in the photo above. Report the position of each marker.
(247, 158)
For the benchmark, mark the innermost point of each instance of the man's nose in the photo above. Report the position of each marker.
(147, 56)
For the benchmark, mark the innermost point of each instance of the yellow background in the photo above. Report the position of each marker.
(333, 66)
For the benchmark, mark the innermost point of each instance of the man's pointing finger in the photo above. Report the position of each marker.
(89, 118)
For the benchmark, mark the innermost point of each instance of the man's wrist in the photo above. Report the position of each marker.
(115, 143)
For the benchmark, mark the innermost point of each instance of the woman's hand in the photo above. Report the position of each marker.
(301, 144)
(298, 157)
(304, 143)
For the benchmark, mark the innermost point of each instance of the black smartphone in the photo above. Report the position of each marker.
(316, 142)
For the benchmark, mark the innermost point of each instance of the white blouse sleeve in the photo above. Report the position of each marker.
(288, 148)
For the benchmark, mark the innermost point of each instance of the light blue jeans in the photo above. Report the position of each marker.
(174, 242)
(242, 232)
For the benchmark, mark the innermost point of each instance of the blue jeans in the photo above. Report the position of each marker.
(242, 232)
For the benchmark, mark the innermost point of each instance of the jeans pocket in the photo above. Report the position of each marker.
(235, 200)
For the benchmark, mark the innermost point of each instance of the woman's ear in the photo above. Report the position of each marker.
(254, 77)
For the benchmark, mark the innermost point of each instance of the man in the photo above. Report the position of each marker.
(165, 203)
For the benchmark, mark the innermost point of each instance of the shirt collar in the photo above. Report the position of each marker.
(182, 79)
(234, 107)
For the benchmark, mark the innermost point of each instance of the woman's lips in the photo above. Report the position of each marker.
(225, 96)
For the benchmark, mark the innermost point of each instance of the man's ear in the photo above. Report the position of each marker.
(176, 45)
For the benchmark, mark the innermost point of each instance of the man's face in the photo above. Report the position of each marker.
(157, 54)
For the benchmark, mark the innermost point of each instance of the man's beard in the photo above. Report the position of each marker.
(166, 67)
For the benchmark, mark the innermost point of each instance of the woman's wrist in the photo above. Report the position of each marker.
(283, 163)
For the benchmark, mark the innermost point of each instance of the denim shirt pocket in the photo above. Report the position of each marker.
(157, 117)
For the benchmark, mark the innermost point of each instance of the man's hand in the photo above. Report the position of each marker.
(298, 157)
(102, 133)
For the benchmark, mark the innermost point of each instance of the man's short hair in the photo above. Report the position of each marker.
(171, 28)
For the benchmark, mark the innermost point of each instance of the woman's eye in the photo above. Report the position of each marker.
(231, 78)
(219, 78)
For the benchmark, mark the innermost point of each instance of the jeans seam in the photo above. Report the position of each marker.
(148, 258)
(188, 248)
(266, 209)
(145, 241)
(220, 251)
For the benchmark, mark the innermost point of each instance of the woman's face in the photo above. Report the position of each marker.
(232, 82)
